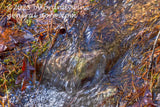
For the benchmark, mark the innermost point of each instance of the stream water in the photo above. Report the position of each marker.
(87, 70)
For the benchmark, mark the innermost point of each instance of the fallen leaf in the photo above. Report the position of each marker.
(25, 77)
(9, 38)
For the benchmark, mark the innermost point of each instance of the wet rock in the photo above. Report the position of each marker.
(109, 92)
(76, 69)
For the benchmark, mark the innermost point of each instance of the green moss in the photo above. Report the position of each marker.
(1, 80)
(10, 80)
(28, 53)
(75, 12)
(14, 61)
(91, 0)
(19, 71)
(33, 46)
(34, 49)
(39, 50)
(38, 1)
(44, 49)
(46, 44)
(29, 22)
(55, 10)
(6, 61)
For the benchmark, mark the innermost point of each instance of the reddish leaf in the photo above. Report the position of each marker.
(9, 38)
(13, 20)
(6, 33)
(24, 65)
(25, 77)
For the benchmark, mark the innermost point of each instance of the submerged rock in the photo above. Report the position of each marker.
(74, 70)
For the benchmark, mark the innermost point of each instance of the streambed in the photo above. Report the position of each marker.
(87, 67)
